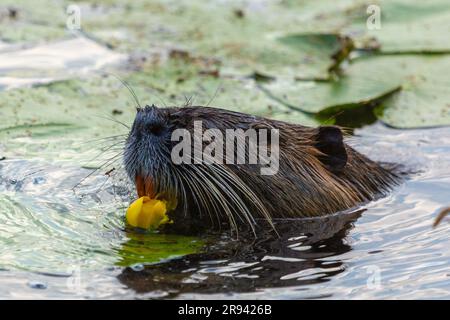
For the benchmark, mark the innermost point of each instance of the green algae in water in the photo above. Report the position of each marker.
(155, 247)
(55, 234)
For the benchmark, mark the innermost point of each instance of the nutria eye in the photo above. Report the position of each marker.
(155, 129)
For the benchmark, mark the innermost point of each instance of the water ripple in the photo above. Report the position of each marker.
(78, 246)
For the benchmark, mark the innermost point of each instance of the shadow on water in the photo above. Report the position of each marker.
(302, 255)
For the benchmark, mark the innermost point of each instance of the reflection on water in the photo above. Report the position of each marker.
(55, 243)
(298, 257)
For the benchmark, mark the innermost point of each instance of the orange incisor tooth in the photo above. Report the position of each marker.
(144, 186)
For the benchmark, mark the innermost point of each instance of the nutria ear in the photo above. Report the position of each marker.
(330, 141)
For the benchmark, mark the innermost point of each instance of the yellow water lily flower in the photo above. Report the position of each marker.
(147, 213)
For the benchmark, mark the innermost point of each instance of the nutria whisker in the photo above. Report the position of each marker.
(235, 181)
(126, 85)
(105, 139)
(223, 182)
(109, 161)
(188, 101)
(200, 196)
(218, 194)
(180, 177)
(214, 95)
(114, 120)
(210, 197)
(114, 146)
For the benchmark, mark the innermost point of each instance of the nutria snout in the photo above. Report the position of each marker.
(316, 172)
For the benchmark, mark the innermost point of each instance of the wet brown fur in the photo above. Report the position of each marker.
(303, 186)
(311, 181)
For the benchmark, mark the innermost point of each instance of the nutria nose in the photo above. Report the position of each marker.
(155, 128)
(153, 121)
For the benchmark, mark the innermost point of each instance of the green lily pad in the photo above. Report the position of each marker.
(314, 52)
(178, 83)
(153, 247)
(360, 84)
(412, 90)
(55, 121)
(270, 38)
(424, 100)
(405, 26)
(243, 35)
(25, 21)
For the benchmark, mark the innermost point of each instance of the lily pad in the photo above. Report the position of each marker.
(269, 38)
(405, 26)
(412, 90)
(55, 121)
(424, 100)
(153, 247)
(360, 83)
(25, 21)
(314, 52)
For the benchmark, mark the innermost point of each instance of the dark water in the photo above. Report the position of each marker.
(59, 244)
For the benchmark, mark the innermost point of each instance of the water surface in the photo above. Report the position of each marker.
(57, 243)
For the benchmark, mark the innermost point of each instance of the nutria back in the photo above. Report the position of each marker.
(300, 172)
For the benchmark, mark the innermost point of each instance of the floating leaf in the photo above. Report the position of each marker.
(270, 38)
(319, 54)
(404, 26)
(154, 247)
(54, 121)
(25, 21)
(360, 84)
(412, 88)
(424, 100)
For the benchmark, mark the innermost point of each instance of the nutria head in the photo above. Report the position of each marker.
(303, 171)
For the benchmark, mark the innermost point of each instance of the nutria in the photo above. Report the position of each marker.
(318, 173)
